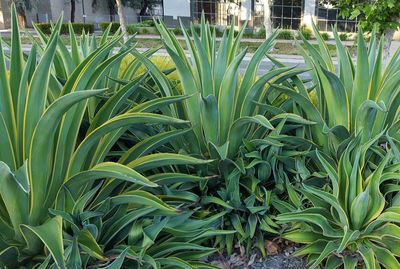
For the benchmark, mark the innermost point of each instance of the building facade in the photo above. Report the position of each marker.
(290, 14)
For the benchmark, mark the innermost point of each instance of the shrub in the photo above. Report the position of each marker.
(248, 34)
(305, 32)
(219, 32)
(114, 26)
(148, 23)
(131, 29)
(78, 28)
(86, 205)
(261, 33)
(144, 30)
(195, 28)
(44, 27)
(177, 31)
(346, 89)
(285, 34)
(343, 36)
(228, 128)
(325, 36)
(351, 222)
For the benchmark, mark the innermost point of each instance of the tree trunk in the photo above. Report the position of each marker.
(111, 8)
(267, 18)
(73, 10)
(389, 33)
(21, 20)
(143, 10)
(122, 22)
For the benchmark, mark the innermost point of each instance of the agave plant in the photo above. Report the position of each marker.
(355, 95)
(228, 110)
(63, 201)
(353, 223)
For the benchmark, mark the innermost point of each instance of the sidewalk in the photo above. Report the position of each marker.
(288, 58)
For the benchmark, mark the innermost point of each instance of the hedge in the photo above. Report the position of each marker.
(77, 26)
(114, 26)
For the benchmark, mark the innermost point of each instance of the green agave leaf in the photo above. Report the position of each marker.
(7, 152)
(166, 248)
(37, 93)
(216, 200)
(16, 65)
(7, 256)
(350, 262)
(360, 91)
(41, 146)
(385, 257)
(359, 209)
(14, 197)
(236, 130)
(118, 262)
(368, 256)
(209, 116)
(162, 159)
(109, 170)
(115, 123)
(333, 262)
(89, 244)
(348, 237)
(317, 219)
(328, 250)
(50, 233)
(149, 144)
(115, 225)
(172, 178)
(226, 98)
(155, 104)
(332, 200)
(174, 262)
(301, 236)
(74, 260)
(336, 96)
(313, 248)
(346, 67)
(6, 98)
(113, 104)
(387, 230)
(142, 198)
(333, 175)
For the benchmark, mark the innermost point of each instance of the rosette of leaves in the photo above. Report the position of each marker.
(232, 115)
(353, 222)
(351, 96)
(64, 200)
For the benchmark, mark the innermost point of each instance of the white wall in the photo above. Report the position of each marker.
(245, 13)
(309, 13)
(177, 8)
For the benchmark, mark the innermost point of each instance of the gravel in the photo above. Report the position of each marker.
(280, 261)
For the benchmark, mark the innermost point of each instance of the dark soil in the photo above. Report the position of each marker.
(279, 261)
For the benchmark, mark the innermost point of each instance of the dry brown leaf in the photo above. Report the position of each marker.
(271, 247)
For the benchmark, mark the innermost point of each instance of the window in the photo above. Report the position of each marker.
(287, 13)
(208, 6)
(327, 17)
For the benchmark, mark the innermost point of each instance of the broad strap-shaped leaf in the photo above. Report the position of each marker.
(15, 198)
(50, 234)
(109, 170)
(42, 146)
(163, 159)
(143, 198)
(115, 123)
